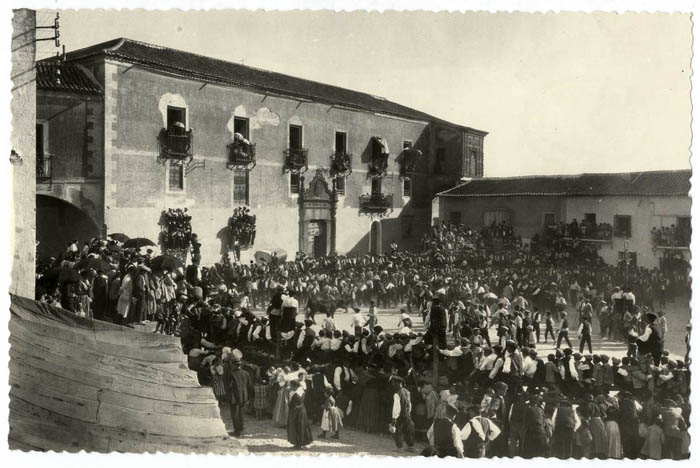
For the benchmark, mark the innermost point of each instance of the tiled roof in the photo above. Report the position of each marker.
(649, 183)
(213, 70)
(56, 76)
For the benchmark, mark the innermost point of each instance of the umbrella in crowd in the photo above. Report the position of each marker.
(166, 262)
(119, 237)
(265, 256)
(138, 242)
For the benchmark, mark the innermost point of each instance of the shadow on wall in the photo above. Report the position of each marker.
(58, 223)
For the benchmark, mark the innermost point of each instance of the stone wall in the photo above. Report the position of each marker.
(136, 191)
(23, 146)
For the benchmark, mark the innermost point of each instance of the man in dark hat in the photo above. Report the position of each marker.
(240, 388)
(651, 341)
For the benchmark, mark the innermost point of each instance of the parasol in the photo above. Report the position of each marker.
(119, 237)
(166, 262)
(265, 256)
(138, 242)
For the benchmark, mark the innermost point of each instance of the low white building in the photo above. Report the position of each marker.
(627, 210)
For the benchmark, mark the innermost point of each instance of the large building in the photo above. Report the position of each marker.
(642, 217)
(126, 130)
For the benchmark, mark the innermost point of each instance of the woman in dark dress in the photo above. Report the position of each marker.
(298, 424)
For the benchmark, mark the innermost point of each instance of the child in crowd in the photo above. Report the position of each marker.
(332, 418)
(261, 396)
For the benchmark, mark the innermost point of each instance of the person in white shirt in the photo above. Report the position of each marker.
(444, 436)
(478, 432)
(357, 322)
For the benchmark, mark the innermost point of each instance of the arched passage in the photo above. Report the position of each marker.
(59, 222)
(375, 238)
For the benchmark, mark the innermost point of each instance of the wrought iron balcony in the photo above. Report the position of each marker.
(43, 168)
(295, 160)
(175, 144)
(408, 162)
(341, 164)
(378, 165)
(241, 155)
(377, 204)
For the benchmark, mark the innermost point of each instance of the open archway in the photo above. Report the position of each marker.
(58, 223)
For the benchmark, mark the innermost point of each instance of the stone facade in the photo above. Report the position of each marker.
(527, 216)
(135, 183)
(23, 159)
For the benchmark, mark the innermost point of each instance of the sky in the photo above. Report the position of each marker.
(562, 93)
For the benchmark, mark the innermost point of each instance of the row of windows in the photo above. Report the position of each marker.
(176, 176)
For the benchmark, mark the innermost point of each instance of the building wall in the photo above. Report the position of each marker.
(136, 186)
(527, 213)
(74, 135)
(645, 212)
(22, 141)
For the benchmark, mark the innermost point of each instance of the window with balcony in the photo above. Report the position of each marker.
(43, 159)
(380, 157)
(341, 160)
(175, 141)
(295, 156)
(375, 202)
(622, 226)
(240, 187)
(241, 152)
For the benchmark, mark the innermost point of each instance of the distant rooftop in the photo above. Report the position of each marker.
(211, 70)
(648, 183)
(55, 76)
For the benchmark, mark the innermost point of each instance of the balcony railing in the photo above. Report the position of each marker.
(241, 155)
(43, 168)
(378, 165)
(376, 203)
(409, 162)
(341, 164)
(295, 160)
(174, 145)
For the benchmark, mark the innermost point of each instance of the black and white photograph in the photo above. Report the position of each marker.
(410, 233)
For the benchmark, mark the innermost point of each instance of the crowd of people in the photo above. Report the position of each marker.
(586, 229)
(671, 236)
(176, 229)
(241, 230)
(480, 311)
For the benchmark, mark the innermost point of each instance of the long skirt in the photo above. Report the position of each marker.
(612, 429)
(299, 427)
(281, 412)
(369, 414)
(600, 437)
(562, 442)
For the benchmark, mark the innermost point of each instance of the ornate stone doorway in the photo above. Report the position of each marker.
(317, 206)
